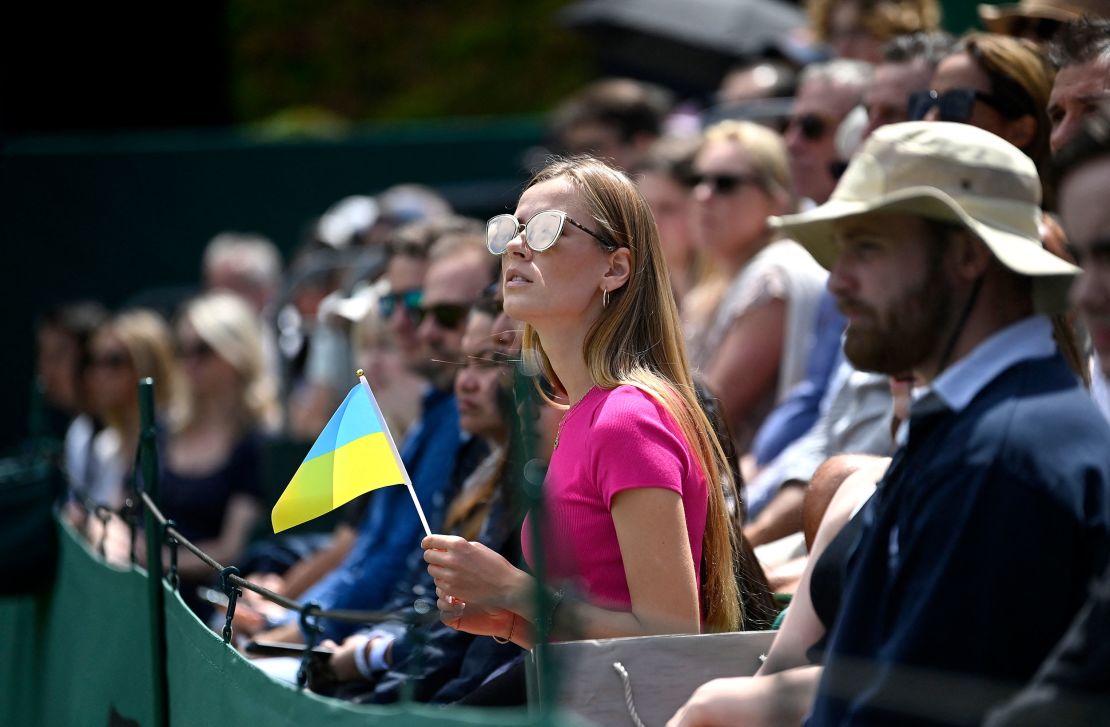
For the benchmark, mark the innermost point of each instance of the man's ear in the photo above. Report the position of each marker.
(970, 256)
(620, 267)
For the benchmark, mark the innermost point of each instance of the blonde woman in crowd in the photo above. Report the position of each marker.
(211, 480)
(747, 328)
(132, 345)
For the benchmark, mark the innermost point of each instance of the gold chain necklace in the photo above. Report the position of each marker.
(570, 410)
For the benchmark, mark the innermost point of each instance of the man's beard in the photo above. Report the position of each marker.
(904, 335)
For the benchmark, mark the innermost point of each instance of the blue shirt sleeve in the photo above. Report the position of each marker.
(798, 412)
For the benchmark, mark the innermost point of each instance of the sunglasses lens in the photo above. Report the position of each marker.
(449, 316)
(919, 105)
(543, 230)
(955, 105)
(727, 184)
(499, 233)
(813, 127)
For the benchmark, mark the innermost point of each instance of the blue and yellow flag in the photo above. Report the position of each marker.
(354, 454)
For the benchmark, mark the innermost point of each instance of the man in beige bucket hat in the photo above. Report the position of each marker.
(1001, 482)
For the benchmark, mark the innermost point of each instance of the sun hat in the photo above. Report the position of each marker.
(950, 172)
(998, 18)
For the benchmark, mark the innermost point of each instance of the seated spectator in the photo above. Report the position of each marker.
(64, 338)
(1084, 163)
(373, 664)
(638, 523)
(246, 264)
(211, 475)
(997, 83)
(1070, 687)
(1081, 54)
(827, 92)
(615, 119)
(857, 29)
(941, 272)
(131, 345)
(907, 67)
(663, 176)
(748, 328)
(450, 277)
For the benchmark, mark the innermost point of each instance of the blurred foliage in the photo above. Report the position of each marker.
(389, 59)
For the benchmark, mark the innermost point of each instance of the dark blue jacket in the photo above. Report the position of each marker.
(976, 554)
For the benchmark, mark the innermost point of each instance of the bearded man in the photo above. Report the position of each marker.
(999, 492)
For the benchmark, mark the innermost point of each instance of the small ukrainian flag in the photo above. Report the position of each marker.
(353, 455)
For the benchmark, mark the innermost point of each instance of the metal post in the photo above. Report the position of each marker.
(148, 461)
(532, 473)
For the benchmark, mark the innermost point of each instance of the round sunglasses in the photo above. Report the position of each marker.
(540, 232)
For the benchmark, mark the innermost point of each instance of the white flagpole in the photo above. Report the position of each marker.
(396, 454)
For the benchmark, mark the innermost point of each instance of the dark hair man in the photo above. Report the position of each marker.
(1003, 471)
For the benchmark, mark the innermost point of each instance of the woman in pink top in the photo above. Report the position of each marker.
(638, 524)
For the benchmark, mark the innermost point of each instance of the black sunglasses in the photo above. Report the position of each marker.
(409, 299)
(113, 360)
(721, 183)
(955, 104)
(446, 315)
(812, 126)
(194, 350)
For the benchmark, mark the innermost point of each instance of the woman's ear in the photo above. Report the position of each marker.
(1021, 131)
(620, 267)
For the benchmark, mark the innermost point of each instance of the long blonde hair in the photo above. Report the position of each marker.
(227, 323)
(637, 341)
(146, 336)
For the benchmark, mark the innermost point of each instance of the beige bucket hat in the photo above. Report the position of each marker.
(997, 18)
(950, 172)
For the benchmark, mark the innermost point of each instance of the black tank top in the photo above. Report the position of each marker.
(826, 582)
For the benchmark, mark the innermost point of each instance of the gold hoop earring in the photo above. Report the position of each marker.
(604, 298)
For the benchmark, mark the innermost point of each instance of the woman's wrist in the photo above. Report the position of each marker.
(512, 626)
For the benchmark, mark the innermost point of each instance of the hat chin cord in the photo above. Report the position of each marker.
(961, 322)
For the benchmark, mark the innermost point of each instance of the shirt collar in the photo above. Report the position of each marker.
(1029, 338)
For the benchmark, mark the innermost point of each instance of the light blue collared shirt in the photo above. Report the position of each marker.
(1029, 338)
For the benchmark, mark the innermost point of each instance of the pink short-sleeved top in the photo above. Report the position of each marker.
(609, 442)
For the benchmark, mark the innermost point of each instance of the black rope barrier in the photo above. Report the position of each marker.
(234, 580)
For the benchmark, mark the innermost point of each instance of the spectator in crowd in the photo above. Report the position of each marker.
(907, 67)
(826, 93)
(373, 664)
(211, 483)
(941, 271)
(857, 29)
(1038, 20)
(246, 264)
(616, 119)
(663, 177)
(999, 84)
(447, 279)
(131, 345)
(748, 328)
(633, 490)
(1070, 687)
(1081, 53)
(64, 337)
(1083, 210)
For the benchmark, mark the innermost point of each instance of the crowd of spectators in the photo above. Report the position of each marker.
(735, 328)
